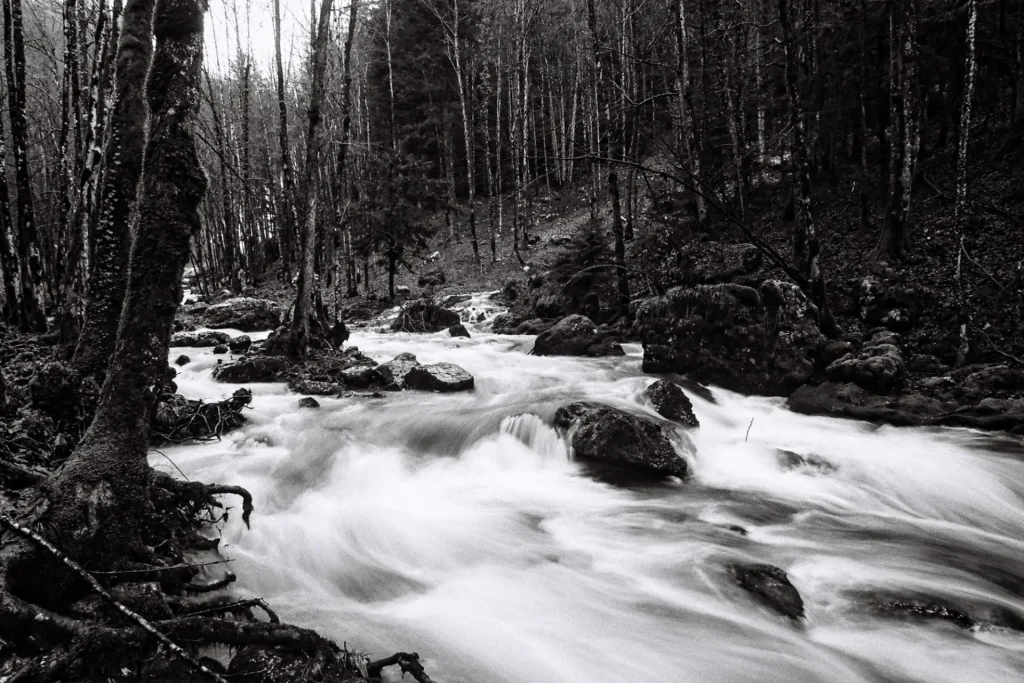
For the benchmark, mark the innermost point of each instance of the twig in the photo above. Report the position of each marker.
(172, 567)
(408, 662)
(748, 430)
(1004, 354)
(96, 586)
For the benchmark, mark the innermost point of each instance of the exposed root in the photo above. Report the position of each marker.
(220, 604)
(103, 593)
(228, 579)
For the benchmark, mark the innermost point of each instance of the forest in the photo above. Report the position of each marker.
(800, 219)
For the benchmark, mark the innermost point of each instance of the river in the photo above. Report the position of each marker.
(458, 527)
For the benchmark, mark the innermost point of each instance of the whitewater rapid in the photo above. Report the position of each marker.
(457, 526)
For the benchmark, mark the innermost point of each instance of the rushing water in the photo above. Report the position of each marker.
(458, 526)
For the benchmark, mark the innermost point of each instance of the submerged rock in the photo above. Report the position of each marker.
(575, 335)
(669, 401)
(424, 316)
(443, 377)
(308, 402)
(203, 339)
(926, 609)
(244, 313)
(612, 436)
(772, 587)
(302, 385)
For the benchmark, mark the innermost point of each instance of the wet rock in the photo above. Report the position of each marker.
(252, 369)
(877, 367)
(244, 313)
(240, 344)
(424, 316)
(308, 402)
(535, 326)
(811, 464)
(505, 323)
(203, 339)
(220, 349)
(393, 373)
(920, 609)
(304, 385)
(575, 335)
(182, 360)
(459, 331)
(669, 401)
(755, 341)
(435, 278)
(612, 436)
(361, 377)
(853, 401)
(178, 419)
(772, 587)
(443, 377)
(339, 334)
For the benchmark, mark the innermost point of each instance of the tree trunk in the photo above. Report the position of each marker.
(960, 218)
(122, 162)
(300, 333)
(30, 264)
(622, 276)
(286, 217)
(684, 112)
(794, 60)
(8, 259)
(98, 498)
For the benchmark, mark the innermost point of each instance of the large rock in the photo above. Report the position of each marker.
(535, 326)
(199, 339)
(443, 377)
(424, 316)
(575, 335)
(614, 437)
(361, 376)
(755, 341)
(392, 374)
(772, 587)
(505, 323)
(244, 313)
(877, 367)
(669, 401)
(459, 331)
(252, 369)
(240, 344)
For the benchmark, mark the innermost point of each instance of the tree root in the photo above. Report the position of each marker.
(103, 593)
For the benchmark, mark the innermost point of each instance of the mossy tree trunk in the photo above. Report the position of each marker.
(98, 499)
(122, 161)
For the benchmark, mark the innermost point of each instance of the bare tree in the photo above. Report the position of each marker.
(960, 211)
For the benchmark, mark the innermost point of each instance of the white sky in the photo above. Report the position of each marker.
(256, 17)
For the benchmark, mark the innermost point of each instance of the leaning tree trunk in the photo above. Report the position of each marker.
(30, 263)
(299, 342)
(122, 163)
(98, 499)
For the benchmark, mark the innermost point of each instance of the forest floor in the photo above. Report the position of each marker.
(670, 247)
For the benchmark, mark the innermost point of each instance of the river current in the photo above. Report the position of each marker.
(459, 527)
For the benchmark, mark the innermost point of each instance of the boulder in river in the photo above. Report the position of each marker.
(459, 331)
(612, 436)
(755, 341)
(361, 376)
(505, 323)
(240, 344)
(392, 373)
(669, 401)
(309, 402)
(305, 385)
(535, 326)
(182, 360)
(252, 369)
(772, 587)
(220, 349)
(202, 339)
(919, 609)
(575, 335)
(244, 313)
(424, 316)
(442, 377)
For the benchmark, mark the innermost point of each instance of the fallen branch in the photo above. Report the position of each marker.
(102, 592)
(228, 579)
(1004, 354)
(408, 662)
